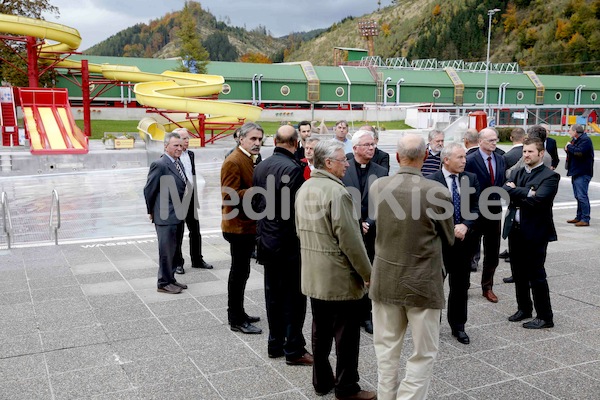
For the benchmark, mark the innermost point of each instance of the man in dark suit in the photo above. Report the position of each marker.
(358, 178)
(278, 248)
(551, 148)
(380, 157)
(464, 188)
(191, 220)
(490, 170)
(513, 156)
(167, 193)
(529, 226)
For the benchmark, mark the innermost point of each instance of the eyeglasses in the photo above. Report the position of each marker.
(343, 160)
(373, 145)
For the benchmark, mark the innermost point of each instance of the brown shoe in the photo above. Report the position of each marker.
(361, 395)
(582, 223)
(306, 359)
(490, 296)
(572, 221)
(170, 288)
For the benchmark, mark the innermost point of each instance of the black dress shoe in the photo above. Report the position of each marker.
(246, 327)
(203, 265)
(181, 285)
(275, 353)
(461, 336)
(537, 323)
(368, 324)
(504, 254)
(520, 315)
(179, 270)
(250, 319)
(508, 280)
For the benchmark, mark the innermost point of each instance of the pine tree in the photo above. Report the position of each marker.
(194, 55)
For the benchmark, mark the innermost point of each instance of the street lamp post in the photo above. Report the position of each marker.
(487, 59)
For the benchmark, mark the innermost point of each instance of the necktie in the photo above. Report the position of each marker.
(180, 170)
(491, 168)
(455, 199)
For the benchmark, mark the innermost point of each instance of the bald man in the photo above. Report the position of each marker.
(278, 248)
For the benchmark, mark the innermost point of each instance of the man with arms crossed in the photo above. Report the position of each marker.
(407, 284)
(529, 226)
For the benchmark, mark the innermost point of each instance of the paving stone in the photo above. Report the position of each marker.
(102, 277)
(133, 329)
(41, 295)
(129, 312)
(92, 268)
(198, 388)
(114, 299)
(77, 358)
(214, 359)
(468, 372)
(248, 382)
(565, 383)
(17, 345)
(191, 321)
(22, 367)
(15, 297)
(176, 307)
(26, 389)
(144, 348)
(89, 382)
(103, 288)
(160, 370)
(73, 337)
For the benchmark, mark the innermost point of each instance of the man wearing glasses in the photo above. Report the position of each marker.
(362, 172)
(335, 271)
(490, 170)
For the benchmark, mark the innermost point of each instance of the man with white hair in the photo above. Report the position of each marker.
(335, 271)
(361, 173)
(187, 158)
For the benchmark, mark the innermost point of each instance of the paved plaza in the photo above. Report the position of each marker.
(83, 319)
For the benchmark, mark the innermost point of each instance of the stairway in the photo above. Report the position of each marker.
(8, 118)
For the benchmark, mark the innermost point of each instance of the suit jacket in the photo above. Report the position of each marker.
(351, 180)
(536, 220)
(163, 175)
(513, 156)
(553, 151)
(467, 179)
(478, 166)
(236, 175)
(408, 266)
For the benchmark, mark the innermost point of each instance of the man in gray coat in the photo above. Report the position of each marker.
(414, 218)
(335, 271)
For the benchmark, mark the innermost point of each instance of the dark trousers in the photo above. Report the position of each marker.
(489, 230)
(169, 247)
(286, 305)
(241, 247)
(527, 265)
(335, 320)
(195, 239)
(457, 260)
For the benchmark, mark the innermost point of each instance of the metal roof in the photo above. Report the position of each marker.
(477, 79)
(152, 65)
(565, 82)
(271, 72)
(330, 74)
(359, 75)
(417, 78)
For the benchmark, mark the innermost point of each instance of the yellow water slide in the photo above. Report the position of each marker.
(173, 91)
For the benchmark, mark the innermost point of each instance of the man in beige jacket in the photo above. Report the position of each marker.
(414, 217)
(335, 271)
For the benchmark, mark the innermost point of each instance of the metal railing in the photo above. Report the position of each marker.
(6, 220)
(54, 215)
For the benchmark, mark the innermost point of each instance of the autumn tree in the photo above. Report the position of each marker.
(220, 48)
(16, 52)
(194, 56)
(257, 58)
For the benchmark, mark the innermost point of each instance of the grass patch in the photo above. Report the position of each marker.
(99, 126)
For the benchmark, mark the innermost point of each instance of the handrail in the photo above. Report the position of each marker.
(55, 205)
(6, 220)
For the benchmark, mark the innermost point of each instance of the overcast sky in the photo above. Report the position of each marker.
(97, 20)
